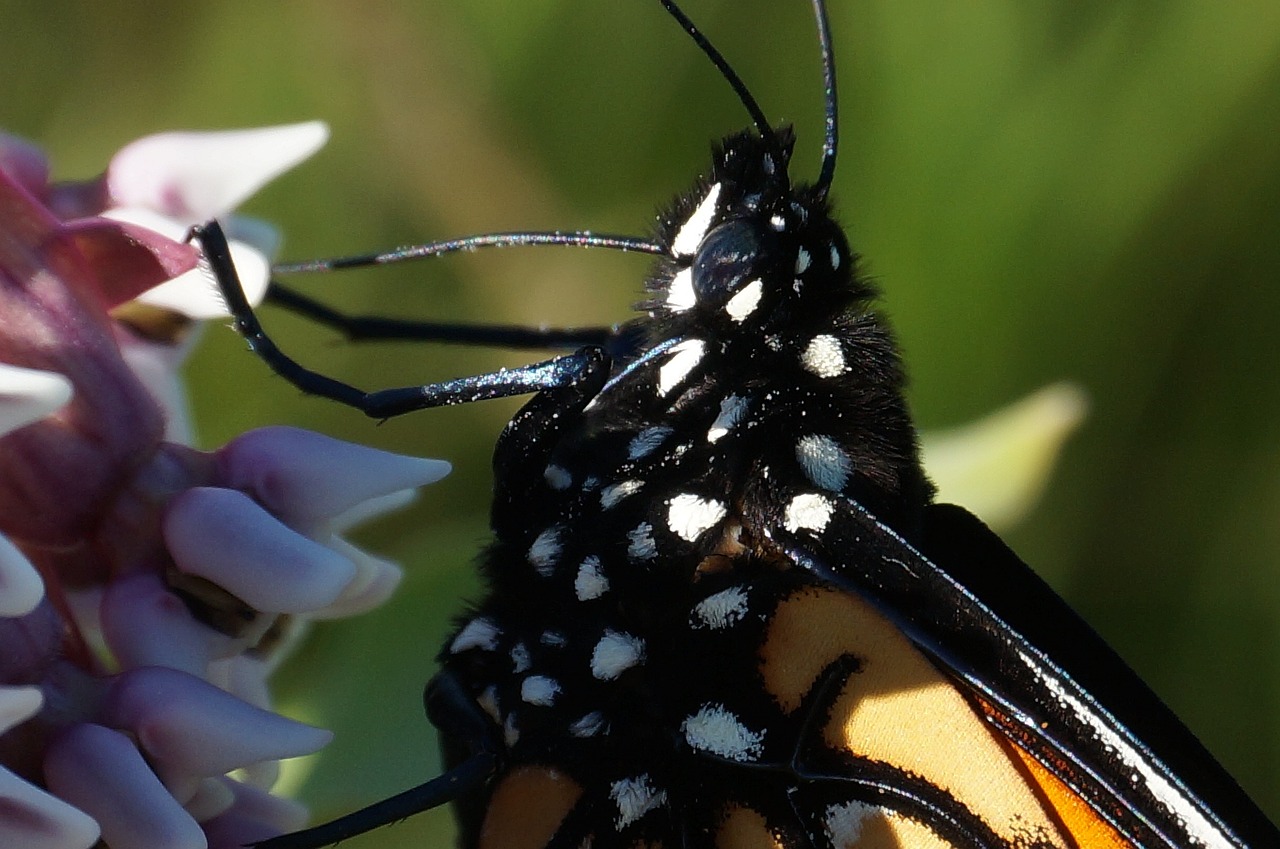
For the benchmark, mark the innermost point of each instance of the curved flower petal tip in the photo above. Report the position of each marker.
(225, 537)
(28, 395)
(189, 724)
(36, 820)
(24, 162)
(305, 476)
(130, 259)
(999, 466)
(195, 176)
(20, 585)
(100, 772)
(376, 579)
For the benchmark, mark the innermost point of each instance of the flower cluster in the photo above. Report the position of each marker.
(147, 588)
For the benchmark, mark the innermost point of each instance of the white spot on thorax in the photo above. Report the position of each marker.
(690, 234)
(539, 690)
(835, 257)
(479, 633)
(646, 441)
(809, 511)
(613, 493)
(745, 302)
(545, 551)
(635, 797)
(824, 357)
(557, 477)
(554, 639)
(777, 222)
(683, 358)
(616, 653)
(520, 660)
(680, 294)
(824, 462)
(589, 725)
(640, 545)
(590, 582)
(802, 261)
(722, 609)
(716, 730)
(731, 411)
(691, 515)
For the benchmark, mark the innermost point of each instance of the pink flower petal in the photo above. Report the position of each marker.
(256, 815)
(226, 537)
(25, 163)
(33, 819)
(146, 625)
(100, 772)
(195, 176)
(191, 725)
(28, 395)
(20, 586)
(306, 477)
(129, 259)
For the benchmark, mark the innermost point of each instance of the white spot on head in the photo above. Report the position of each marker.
(590, 582)
(616, 653)
(824, 462)
(810, 512)
(613, 493)
(520, 660)
(824, 357)
(557, 477)
(844, 822)
(683, 358)
(680, 294)
(589, 725)
(640, 545)
(835, 257)
(691, 515)
(690, 234)
(545, 551)
(716, 730)
(802, 261)
(777, 222)
(539, 690)
(745, 302)
(646, 441)
(635, 797)
(732, 409)
(479, 633)
(721, 610)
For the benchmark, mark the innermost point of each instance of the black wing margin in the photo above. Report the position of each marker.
(969, 602)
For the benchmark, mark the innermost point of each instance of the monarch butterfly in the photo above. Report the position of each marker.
(723, 609)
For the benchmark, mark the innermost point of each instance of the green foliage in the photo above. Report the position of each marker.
(1044, 191)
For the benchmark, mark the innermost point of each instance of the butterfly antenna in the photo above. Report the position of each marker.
(740, 88)
(832, 134)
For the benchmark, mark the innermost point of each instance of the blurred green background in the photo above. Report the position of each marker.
(1087, 191)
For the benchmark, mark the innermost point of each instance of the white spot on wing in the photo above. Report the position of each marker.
(691, 515)
(680, 294)
(721, 610)
(844, 822)
(731, 411)
(479, 633)
(683, 358)
(613, 493)
(635, 797)
(539, 690)
(716, 730)
(824, 462)
(590, 582)
(545, 551)
(824, 357)
(557, 477)
(745, 302)
(646, 441)
(616, 653)
(640, 545)
(809, 512)
(690, 234)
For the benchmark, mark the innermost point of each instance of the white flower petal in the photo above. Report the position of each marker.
(195, 176)
(20, 586)
(27, 395)
(376, 579)
(37, 820)
(18, 704)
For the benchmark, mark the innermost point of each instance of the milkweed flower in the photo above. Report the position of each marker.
(147, 588)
